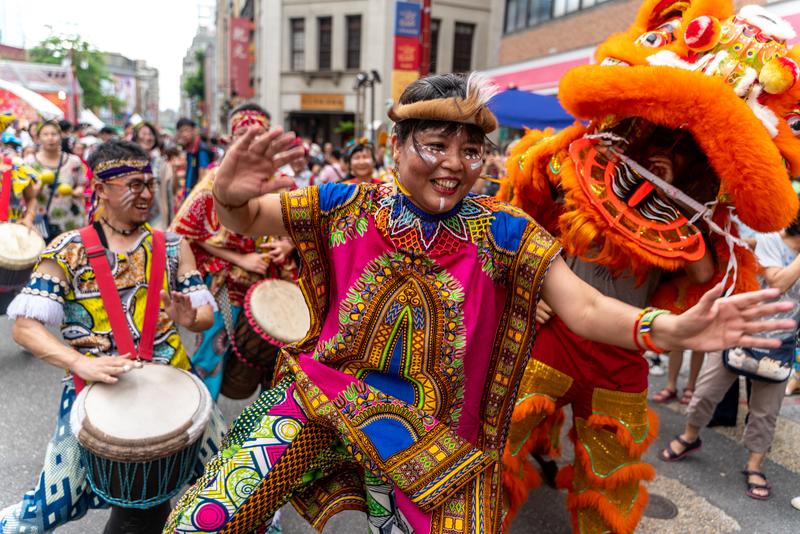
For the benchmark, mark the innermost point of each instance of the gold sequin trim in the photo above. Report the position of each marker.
(541, 379)
(630, 409)
(606, 453)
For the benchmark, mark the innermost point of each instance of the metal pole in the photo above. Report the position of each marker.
(425, 60)
(372, 111)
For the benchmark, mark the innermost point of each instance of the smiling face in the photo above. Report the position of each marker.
(128, 206)
(438, 167)
(145, 138)
(361, 164)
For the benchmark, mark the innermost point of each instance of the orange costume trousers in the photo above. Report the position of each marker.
(611, 428)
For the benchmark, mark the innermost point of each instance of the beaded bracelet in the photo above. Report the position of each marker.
(639, 346)
(646, 328)
(228, 207)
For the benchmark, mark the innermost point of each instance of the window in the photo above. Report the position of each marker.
(353, 42)
(325, 29)
(435, 25)
(298, 44)
(521, 14)
(541, 11)
(462, 47)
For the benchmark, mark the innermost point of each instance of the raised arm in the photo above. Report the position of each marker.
(246, 178)
(714, 323)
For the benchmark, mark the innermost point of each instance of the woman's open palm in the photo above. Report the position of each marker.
(248, 168)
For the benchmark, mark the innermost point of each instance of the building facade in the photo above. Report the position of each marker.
(202, 46)
(135, 84)
(308, 55)
(542, 39)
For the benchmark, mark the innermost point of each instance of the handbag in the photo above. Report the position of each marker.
(766, 365)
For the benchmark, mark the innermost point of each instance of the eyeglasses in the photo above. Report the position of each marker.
(137, 186)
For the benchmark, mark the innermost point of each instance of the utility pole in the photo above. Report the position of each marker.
(425, 60)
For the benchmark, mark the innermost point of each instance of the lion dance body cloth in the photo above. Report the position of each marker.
(713, 92)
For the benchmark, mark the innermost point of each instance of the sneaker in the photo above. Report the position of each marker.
(656, 369)
(796, 502)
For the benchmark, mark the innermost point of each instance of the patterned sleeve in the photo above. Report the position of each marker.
(197, 219)
(42, 299)
(191, 283)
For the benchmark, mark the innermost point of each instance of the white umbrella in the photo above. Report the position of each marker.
(43, 107)
(88, 117)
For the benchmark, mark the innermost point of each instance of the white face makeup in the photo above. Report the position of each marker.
(438, 169)
(127, 199)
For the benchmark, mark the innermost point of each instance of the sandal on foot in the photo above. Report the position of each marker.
(686, 398)
(668, 455)
(752, 486)
(664, 396)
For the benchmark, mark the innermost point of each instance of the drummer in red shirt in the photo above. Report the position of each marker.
(65, 290)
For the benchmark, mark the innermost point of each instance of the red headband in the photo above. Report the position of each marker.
(248, 117)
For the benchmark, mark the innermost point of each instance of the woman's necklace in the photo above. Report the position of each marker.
(118, 231)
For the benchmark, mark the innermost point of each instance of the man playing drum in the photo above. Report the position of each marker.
(422, 302)
(65, 290)
(230, 264)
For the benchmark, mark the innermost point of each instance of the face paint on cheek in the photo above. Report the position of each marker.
(127, 199)
(441, 203)
(476, 165)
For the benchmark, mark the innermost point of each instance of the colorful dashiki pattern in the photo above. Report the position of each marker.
(402, 391)
(62, 493)
(84, 323)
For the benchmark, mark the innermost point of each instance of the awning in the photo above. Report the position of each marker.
(521, 109)
(9, 92)
(88, 117)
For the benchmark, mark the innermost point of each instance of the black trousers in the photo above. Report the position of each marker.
(136, 521)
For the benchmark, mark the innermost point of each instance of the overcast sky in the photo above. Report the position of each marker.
(158, 31)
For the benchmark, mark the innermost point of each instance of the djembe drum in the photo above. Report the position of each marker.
(140, 437)
(275, 314)
(19, 250)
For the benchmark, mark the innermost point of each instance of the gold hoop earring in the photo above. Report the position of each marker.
(400, 186)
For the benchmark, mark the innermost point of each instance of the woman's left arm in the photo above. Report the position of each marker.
(714, 323)
(178, 306)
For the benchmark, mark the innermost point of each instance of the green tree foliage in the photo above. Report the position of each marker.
(195, 85)
(89, 63)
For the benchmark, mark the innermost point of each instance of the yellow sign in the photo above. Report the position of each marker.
(400, 80)
(322, 102)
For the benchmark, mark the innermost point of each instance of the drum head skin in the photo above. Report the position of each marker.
(280, 310)
(152, 412)
(19, 247)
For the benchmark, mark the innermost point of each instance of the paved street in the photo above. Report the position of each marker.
(707, 489)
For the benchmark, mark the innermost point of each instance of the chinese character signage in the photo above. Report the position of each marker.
(239, 57)
(407, 46)
(407, 20)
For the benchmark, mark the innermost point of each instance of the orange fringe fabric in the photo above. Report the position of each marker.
(624, 435)
(519, 475)
(618, 522)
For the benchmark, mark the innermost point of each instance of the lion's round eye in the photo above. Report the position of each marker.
(653, 39)
(793, 120)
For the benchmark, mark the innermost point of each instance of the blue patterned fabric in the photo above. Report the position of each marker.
(62, 493)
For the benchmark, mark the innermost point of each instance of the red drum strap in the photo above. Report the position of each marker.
(112, 303)
(5, 196)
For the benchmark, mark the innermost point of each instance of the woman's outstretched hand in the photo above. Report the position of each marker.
(248, 168)
(716, 323)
